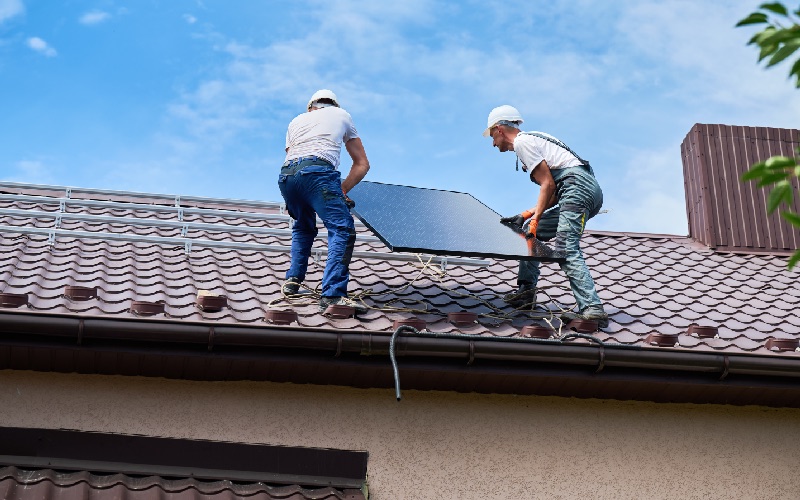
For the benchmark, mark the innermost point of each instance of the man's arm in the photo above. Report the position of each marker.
(548, 197)
(360, 164)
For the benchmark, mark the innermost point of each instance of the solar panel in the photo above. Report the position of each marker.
(412, 219)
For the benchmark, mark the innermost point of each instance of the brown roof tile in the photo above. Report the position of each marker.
(649, 283)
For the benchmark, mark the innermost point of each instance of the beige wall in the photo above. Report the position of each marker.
(436, 445)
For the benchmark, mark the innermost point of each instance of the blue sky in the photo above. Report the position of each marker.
(192, 97)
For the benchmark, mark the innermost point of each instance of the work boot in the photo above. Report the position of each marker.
(325, 302)
(522, 297)
(291, 286)
(591, 313)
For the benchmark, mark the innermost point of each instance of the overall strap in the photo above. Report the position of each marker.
(558, 143)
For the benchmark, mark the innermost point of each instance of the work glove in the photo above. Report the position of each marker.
(514, 220)
(350, 203)
(532, 229)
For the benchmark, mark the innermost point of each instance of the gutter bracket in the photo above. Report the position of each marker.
(80, 332)
(338, 345)
(211, 334)
(471, 353)
(602, 363)
(366, 350)
(726, 365)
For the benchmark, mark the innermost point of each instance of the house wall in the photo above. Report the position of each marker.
(437, 445)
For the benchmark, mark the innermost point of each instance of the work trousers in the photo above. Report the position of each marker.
(311, 186)
(579, 199)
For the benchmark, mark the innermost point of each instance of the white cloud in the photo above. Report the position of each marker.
(41, 46)
(190, 19)
(94, 17)
(31, 171)
(10, 8)
(647, 194)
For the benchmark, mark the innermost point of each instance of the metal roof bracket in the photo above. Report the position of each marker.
(62, 205)
(443, 264)
(180, 214)
(317, 256)
(68, 192)
(338, 345)
(187, 247)
(177, 200)
(602, 363)
(726, 365)
(57, 222)
(184, 230)
(51, 238)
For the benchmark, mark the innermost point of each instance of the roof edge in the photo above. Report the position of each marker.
(431, 353)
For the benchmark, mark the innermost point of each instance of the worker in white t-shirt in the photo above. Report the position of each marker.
(569, 195)
(312, 185)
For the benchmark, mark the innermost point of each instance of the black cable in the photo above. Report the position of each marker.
(401, 328)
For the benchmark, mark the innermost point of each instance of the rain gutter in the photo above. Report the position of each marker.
(33, 328)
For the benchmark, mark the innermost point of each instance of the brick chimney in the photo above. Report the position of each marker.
(725, 213)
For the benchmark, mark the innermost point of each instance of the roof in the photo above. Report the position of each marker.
(46, 463)
(655, 287)
(22, 484)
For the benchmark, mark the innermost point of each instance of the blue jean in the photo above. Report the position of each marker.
(579, 199)
(316, 189)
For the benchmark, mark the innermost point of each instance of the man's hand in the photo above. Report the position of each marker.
(514, 220)
(350, 203)
(532, 229)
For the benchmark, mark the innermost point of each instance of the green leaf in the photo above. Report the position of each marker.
(766, 51)
(782, 192)
(794, 260)
(755, 171)
(754, 18)
(795, 71)
(777, 37)
(758, 37)
(778, 162)
(792, 217)
(783, 53)
(775, 7)
(772, 178)
(797, 171)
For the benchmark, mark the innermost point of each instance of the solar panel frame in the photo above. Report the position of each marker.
(441, 222)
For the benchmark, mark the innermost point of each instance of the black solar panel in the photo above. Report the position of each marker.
(411, 219)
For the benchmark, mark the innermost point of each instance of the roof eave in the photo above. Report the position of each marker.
(426, 360)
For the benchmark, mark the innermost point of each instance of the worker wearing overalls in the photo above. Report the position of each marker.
(569, 195)
(311, 185)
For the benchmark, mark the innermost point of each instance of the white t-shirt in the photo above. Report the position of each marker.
(531, 150)
(320, 133)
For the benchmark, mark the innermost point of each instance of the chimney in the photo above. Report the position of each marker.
(725, 213)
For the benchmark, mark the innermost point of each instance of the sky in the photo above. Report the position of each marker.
(192, 97)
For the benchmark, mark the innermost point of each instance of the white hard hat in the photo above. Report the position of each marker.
(502, 113)
(323, 94)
